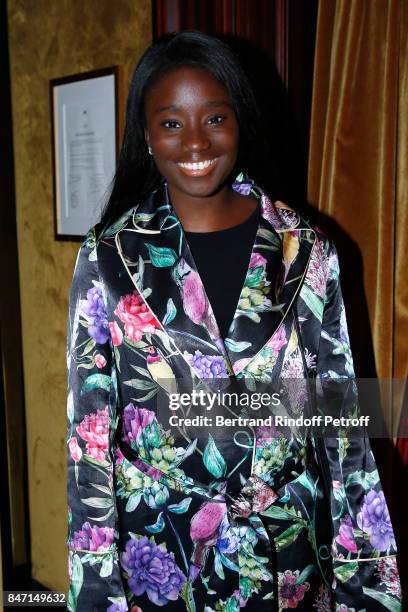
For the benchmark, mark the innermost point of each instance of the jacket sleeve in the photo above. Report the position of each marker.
(363, 545)
(95, 580)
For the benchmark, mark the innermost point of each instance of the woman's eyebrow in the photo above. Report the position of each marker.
(209, 104)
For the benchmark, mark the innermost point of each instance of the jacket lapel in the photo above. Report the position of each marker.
(153, 248)
(278, 264)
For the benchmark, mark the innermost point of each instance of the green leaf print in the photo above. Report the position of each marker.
(305, 573)
(144, 385)
(180, 508)
(97, 502)
(236, 347)
(387, 601)
(158, 526)
(304, 480)
(161, 257)
(269, 236)
(213, 460)
(96, 381)
(219, 570)
(228, 563)
(107, 566)
(288, 537)
(312, 301)
(133, 502)
(104, 517)
(171, 312)
(345, 571)
(283, 514)
(186, 594)
(88, 347)
(76, 582)
(365, 479)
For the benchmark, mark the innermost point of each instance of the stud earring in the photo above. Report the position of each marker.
(149, 148)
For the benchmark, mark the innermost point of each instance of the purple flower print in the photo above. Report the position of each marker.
(278, 213)
(152, 570)
(93, 538)
(135, 422)
(120, 605)
(242, 188)
(346, 535)
(374, 519)
(94, 310)
(209, 366)
(227, 541)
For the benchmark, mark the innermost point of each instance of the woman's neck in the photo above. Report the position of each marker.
(212, 213)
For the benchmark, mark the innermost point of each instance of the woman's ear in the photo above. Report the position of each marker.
(146, 135)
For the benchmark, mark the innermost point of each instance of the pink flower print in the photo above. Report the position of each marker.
(278, 340)
(269, 211)
(389, 576)
(195, 301)
(323, 600)
(241, 364)
(289, 592)
(100, 361)
(116, 334)
(136, 316)
(206, 521)
(346, 535)
(316, 275)
(94, 429)
(74, 449)
(264, 434)
(257, 260)
(204, 532)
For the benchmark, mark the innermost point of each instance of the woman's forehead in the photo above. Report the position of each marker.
(186, 84)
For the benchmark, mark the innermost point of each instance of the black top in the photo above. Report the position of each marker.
(222, 259)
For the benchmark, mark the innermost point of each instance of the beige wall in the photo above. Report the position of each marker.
(49, 39)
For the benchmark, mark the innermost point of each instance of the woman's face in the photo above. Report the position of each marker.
(193, 131)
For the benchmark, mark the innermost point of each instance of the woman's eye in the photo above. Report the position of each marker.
(170, 123)
(216, 119)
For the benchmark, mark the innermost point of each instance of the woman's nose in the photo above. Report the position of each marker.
(195, 139)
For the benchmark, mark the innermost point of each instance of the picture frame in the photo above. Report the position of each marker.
(87, 125)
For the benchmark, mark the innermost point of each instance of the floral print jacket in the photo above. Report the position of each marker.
(180, 518)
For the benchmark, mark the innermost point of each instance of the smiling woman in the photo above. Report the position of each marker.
(197, 282)
(193, 133)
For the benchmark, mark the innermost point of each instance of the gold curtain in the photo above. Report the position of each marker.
(358, 158)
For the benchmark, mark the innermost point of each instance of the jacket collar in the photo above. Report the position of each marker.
(156, 255)
(151, 216)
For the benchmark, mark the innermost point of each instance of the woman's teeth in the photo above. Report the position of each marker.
(198, 165)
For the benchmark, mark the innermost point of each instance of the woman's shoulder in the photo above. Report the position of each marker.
(102, 230)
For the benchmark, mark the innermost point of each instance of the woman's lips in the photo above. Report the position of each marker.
(198, 168)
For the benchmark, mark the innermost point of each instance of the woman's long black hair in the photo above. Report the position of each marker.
(136, 174)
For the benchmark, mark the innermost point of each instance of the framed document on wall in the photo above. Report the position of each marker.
(87, 120)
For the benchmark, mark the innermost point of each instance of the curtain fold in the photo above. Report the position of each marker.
(358, 160)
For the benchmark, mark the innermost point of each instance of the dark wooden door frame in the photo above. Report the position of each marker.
(14, 522)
